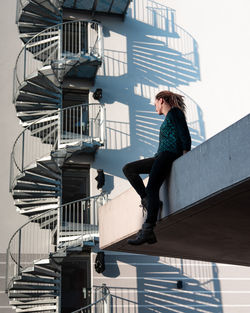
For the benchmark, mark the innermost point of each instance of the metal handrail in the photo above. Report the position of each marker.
(82, 123)
(53, 45)
(36, 238)
(104, 300)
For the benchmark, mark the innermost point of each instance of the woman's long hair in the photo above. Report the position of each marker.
(173, 99)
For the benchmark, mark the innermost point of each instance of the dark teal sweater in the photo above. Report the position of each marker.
(174, 133)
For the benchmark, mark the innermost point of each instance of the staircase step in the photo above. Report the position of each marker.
(52, 38)
(50, 164)
(37, 187)
(26, 303)
(27, 118)
(47, 308)
(49, 73)
(36, 270)
(22, 106)
(33, 88)
(30, 295)
(30, 177)
(46, 54)
(36, 279)
(49, 220)
(42, 11)
(28, 31)
(34, 210)
(33, 195)
(47, 130)
(36, 206)
(33, 286)
(42, 170)
(40, 79)
(52, 6)
(49, 264)
(30, 97)
(36, 20)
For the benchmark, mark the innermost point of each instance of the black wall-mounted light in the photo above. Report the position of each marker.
(97, 95)
(179, 284)
(100, 178)
(100, 262)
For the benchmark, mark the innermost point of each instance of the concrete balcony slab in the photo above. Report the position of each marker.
(206, 212)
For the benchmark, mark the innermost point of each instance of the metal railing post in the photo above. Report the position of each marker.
(105, 300)
(23, 139)
(80, 38)
(59, 221)
(7, 270)
(59, 131)
(11, 172)
(19, 251)
(24, 64)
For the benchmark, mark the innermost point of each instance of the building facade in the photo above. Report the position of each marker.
(84, 80)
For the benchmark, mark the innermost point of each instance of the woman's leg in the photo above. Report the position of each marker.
(133, 170)
(158, 173)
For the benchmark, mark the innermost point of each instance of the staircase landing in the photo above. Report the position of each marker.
(207, 216)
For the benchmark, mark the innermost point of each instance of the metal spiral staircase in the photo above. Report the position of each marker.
(52, 51)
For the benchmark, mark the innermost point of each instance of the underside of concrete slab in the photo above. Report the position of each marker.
(217, 230)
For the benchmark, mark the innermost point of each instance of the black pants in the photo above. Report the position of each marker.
(157, 167)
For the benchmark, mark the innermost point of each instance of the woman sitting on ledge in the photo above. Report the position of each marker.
(174, 140)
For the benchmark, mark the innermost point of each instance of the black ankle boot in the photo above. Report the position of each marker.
(146, 234)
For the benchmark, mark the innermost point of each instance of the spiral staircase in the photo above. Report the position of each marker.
(53, 50)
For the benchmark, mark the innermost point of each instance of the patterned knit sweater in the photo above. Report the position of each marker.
(174, 134)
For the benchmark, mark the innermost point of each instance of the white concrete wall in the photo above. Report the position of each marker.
(10, 45)
(130, 81)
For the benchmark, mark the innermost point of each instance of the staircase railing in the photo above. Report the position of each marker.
(79, 221)
(68, 225)
(102, 305)
(82, 124)
(57, 45)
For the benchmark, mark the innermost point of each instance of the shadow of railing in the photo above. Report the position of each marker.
(145, 283)
(156, 54)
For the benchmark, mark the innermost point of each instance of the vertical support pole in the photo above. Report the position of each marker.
(24, 64)
(11, 172)
(106, 299)
(60, 31)
(19, 252)
(102, 124)
(59, 125)
(23, 142)
(101, 43)
(80, 38)
(81, 122)
(7, 270)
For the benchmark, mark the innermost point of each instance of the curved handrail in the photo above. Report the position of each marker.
(35, 239)
(106, 294)
(58, 42)
(82, 123)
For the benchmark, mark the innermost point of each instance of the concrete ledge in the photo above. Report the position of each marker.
(206, 213)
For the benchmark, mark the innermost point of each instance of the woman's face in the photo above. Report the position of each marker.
(158, 106)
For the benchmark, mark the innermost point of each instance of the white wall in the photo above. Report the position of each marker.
(10, 45)
(219, 87)
(222, 30)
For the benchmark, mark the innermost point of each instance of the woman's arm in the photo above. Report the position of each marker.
(182, 129)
